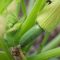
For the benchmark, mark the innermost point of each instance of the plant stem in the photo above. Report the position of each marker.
(46, 55)
(18, 3)
(23, 8)
(55, 42)
(44, 41)
(30, 35)
(27, 47)
(30, 20)
(30, 5)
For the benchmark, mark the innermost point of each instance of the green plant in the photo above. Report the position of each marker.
(20, 32)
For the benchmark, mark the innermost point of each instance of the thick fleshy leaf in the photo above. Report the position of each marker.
(49, 18)
(4, 4)
(30, 20)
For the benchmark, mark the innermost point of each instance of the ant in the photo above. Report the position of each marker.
(49, 1)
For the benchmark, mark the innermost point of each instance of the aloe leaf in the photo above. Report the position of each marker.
(23, 8)
(30, 20)
(30, 35)
(18, 3)
(13, 7)
(4, 4)
(30, 5)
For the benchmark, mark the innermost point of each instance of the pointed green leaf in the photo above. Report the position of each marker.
(30, 20)
(4, 4)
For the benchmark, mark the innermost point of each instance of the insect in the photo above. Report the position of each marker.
(49, 1)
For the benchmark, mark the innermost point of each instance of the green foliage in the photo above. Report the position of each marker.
(46, 55)
(22, 31)
(50, 15)
(54, 43)
(30, 35)
(31, 18)
(3, 56)
(4, 4)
